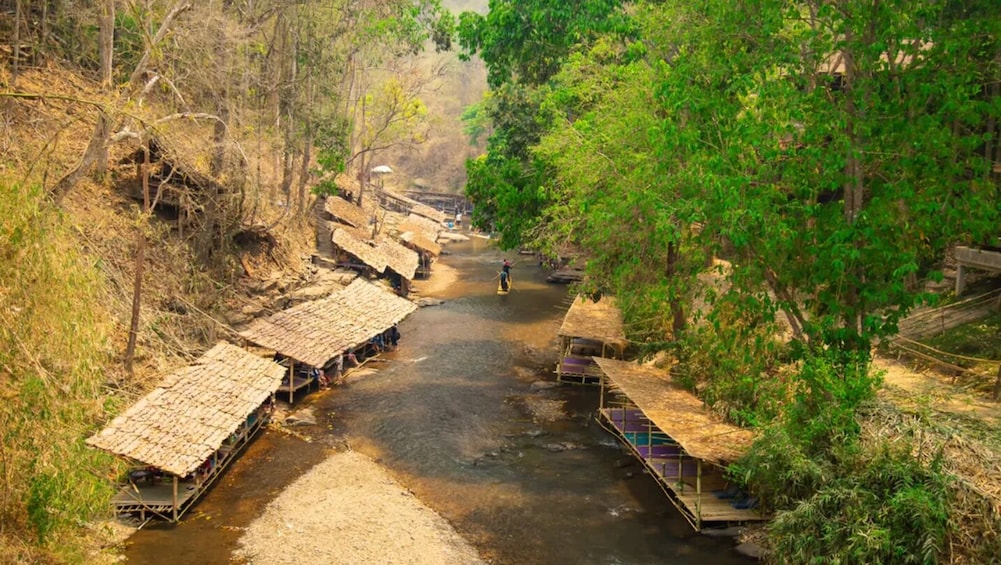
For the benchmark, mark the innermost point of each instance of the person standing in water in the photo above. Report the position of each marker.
(505, 277)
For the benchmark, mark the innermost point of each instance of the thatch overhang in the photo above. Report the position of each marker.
(188, 416)
(399, 258)
(421, 225)
(419, 241)
(599, 321)
(366, 252)
(314, 332)
(677, 412)
(346, 212)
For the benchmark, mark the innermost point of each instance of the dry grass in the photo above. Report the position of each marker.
(72, 309)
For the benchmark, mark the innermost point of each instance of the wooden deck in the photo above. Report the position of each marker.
(687, 481)
(576, 364)
(297, 383)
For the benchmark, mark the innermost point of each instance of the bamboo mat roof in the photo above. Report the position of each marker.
(601, 320)
(186, 418)
(377, 254)
(421, 242)
(365, 251)
(677, 412)
(399, 258)
(346, 212)
(314, 332)
(421, 225)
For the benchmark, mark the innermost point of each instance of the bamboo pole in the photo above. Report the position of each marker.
(601, 393)
(291, 379)
(175, 498)
(698, 495)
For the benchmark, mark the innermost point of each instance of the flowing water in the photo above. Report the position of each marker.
(464, 416)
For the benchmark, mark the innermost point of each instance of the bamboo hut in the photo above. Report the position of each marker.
(379, 255)
(427, 251)
(186, 431)
(357, 252)
(589, 329)
(421, 225)
(401, 260)
(314, 332)
(346, 213)
(683, 446)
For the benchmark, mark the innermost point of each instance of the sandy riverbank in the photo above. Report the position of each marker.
(348, 509)
(442, 277)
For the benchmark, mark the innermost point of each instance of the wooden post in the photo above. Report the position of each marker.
(175, 498)
(681, 470)
(291, 379)
(601, 394)
(698, 495)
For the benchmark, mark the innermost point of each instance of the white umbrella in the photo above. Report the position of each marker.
(382, 170)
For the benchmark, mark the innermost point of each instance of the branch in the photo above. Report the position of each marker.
(140, 69)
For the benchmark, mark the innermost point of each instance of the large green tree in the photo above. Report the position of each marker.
(523, 44)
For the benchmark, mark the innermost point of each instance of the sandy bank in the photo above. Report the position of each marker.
(349, 510)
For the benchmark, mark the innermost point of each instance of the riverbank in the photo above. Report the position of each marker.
(348, 509)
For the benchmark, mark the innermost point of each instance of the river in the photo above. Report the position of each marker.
(462, 415)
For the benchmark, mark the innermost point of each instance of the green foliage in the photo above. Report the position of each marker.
(523, 44)
(838, 500)
(53, 343)
(891, 508)
(732, 359)
(527, 40)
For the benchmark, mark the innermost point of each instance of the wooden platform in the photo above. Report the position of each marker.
(577, 370)
(157, 499)
(688, 481)
(296, 384)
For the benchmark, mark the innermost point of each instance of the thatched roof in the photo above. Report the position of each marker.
(421, 242)
(600, 321)
(428, 212)
(366, 251)
(421, 225)
(346, 212)
(184, 420)
(314, 332)
(399, 258)
(677, 412)
(378, 254)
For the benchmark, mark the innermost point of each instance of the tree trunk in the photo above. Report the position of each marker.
(307, 154)
(15, 64)
(130, 349)
(107, 50)
(219, 140)
(677, 308)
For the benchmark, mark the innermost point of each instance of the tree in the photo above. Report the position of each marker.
(523, 45)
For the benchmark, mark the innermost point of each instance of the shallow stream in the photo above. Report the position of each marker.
(465, 415)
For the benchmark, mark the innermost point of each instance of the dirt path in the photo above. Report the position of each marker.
(910, 390)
